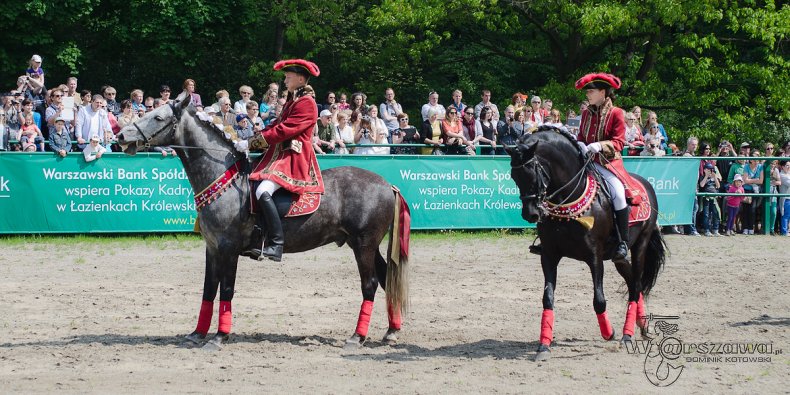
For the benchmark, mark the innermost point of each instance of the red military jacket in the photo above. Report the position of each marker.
(610, 132)
(297, 172)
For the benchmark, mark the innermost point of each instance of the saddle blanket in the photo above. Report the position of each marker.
(640, 212)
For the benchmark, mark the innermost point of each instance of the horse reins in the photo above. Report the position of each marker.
(173, 124)
(541, 173)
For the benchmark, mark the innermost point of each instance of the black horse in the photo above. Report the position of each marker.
(358, 209)
(576, 221)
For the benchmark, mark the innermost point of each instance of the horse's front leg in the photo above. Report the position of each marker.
(210, 283)
(549, 265)
(632, 278)
(367, 273)
(227, 262)
(599, 300)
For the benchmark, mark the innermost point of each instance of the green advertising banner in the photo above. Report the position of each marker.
(41, 193)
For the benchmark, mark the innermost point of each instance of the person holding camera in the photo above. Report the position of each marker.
(405, 134)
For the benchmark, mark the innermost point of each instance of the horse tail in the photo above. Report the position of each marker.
(397, 287)
(655, 257)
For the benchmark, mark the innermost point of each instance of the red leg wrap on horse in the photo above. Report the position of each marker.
(394, 317)
(630, 319)
(641, 315)
(547, 327)
(204, 319)
(605, 325)
(364, 318)
(225, 317)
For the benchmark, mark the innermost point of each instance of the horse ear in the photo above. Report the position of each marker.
(529, 149)
(184, 99)
(512, 151)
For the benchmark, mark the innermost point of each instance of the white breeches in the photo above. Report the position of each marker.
(271, 186)
(616, 188)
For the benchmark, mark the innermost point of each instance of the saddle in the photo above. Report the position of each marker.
(289, 204)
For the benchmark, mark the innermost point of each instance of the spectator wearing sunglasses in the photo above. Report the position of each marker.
(653, 148)
(54, 111)
(652, 120)
(240, 107)
(633, 134)
(164, 96)
(653, 131)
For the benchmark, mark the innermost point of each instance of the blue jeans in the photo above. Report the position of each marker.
(692, 228)
(710, 215)
(785, 216)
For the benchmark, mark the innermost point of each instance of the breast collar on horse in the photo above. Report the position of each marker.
(562, 209)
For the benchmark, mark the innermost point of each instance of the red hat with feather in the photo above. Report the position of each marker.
(300, 66)
(598, 81)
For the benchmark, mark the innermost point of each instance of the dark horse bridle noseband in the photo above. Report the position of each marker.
(172, 124)
(542, 180)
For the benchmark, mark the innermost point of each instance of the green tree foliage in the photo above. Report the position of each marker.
(712, 68)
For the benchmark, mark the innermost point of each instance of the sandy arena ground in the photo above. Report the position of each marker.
(109, 317)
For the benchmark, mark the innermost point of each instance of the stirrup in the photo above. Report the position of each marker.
(622, 252)
(273, 252)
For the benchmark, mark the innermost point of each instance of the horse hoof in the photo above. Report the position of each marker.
(354, 342)
(216, 343)
(626, 339)
(195, 337)
(544, 353)
(391, 337)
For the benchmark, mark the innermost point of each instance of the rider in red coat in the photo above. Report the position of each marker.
(289, 161)
(602, 133)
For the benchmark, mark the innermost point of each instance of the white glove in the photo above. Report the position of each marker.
(241, 145)
(582, 147)
(595, 147)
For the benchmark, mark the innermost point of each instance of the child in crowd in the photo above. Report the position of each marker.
(30, 135)
(734, 203)
(94, 150)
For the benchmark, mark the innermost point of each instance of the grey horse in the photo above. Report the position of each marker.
(358, 208)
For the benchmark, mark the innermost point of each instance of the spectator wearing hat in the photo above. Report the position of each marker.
(164, 95)
(733, 203)
(93, 150)
(243, 126)
(59, 139)
(288, 162)
(325, 133)
(34, 68)
(190, 86)
(709, 183)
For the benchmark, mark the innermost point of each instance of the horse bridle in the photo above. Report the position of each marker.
(543, 181)
(172, 124)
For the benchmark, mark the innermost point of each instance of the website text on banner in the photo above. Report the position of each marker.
(43, 194)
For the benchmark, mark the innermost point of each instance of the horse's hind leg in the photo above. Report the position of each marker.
(365, 255)
(393, 314)
(210, 282)
(631, 273)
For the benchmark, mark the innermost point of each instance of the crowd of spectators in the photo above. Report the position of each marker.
(64, 119)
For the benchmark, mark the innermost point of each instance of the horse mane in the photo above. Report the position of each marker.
(214, 123)
(544, 130)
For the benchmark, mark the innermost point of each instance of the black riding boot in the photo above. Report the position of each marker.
(272, 247)
(621, 219)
